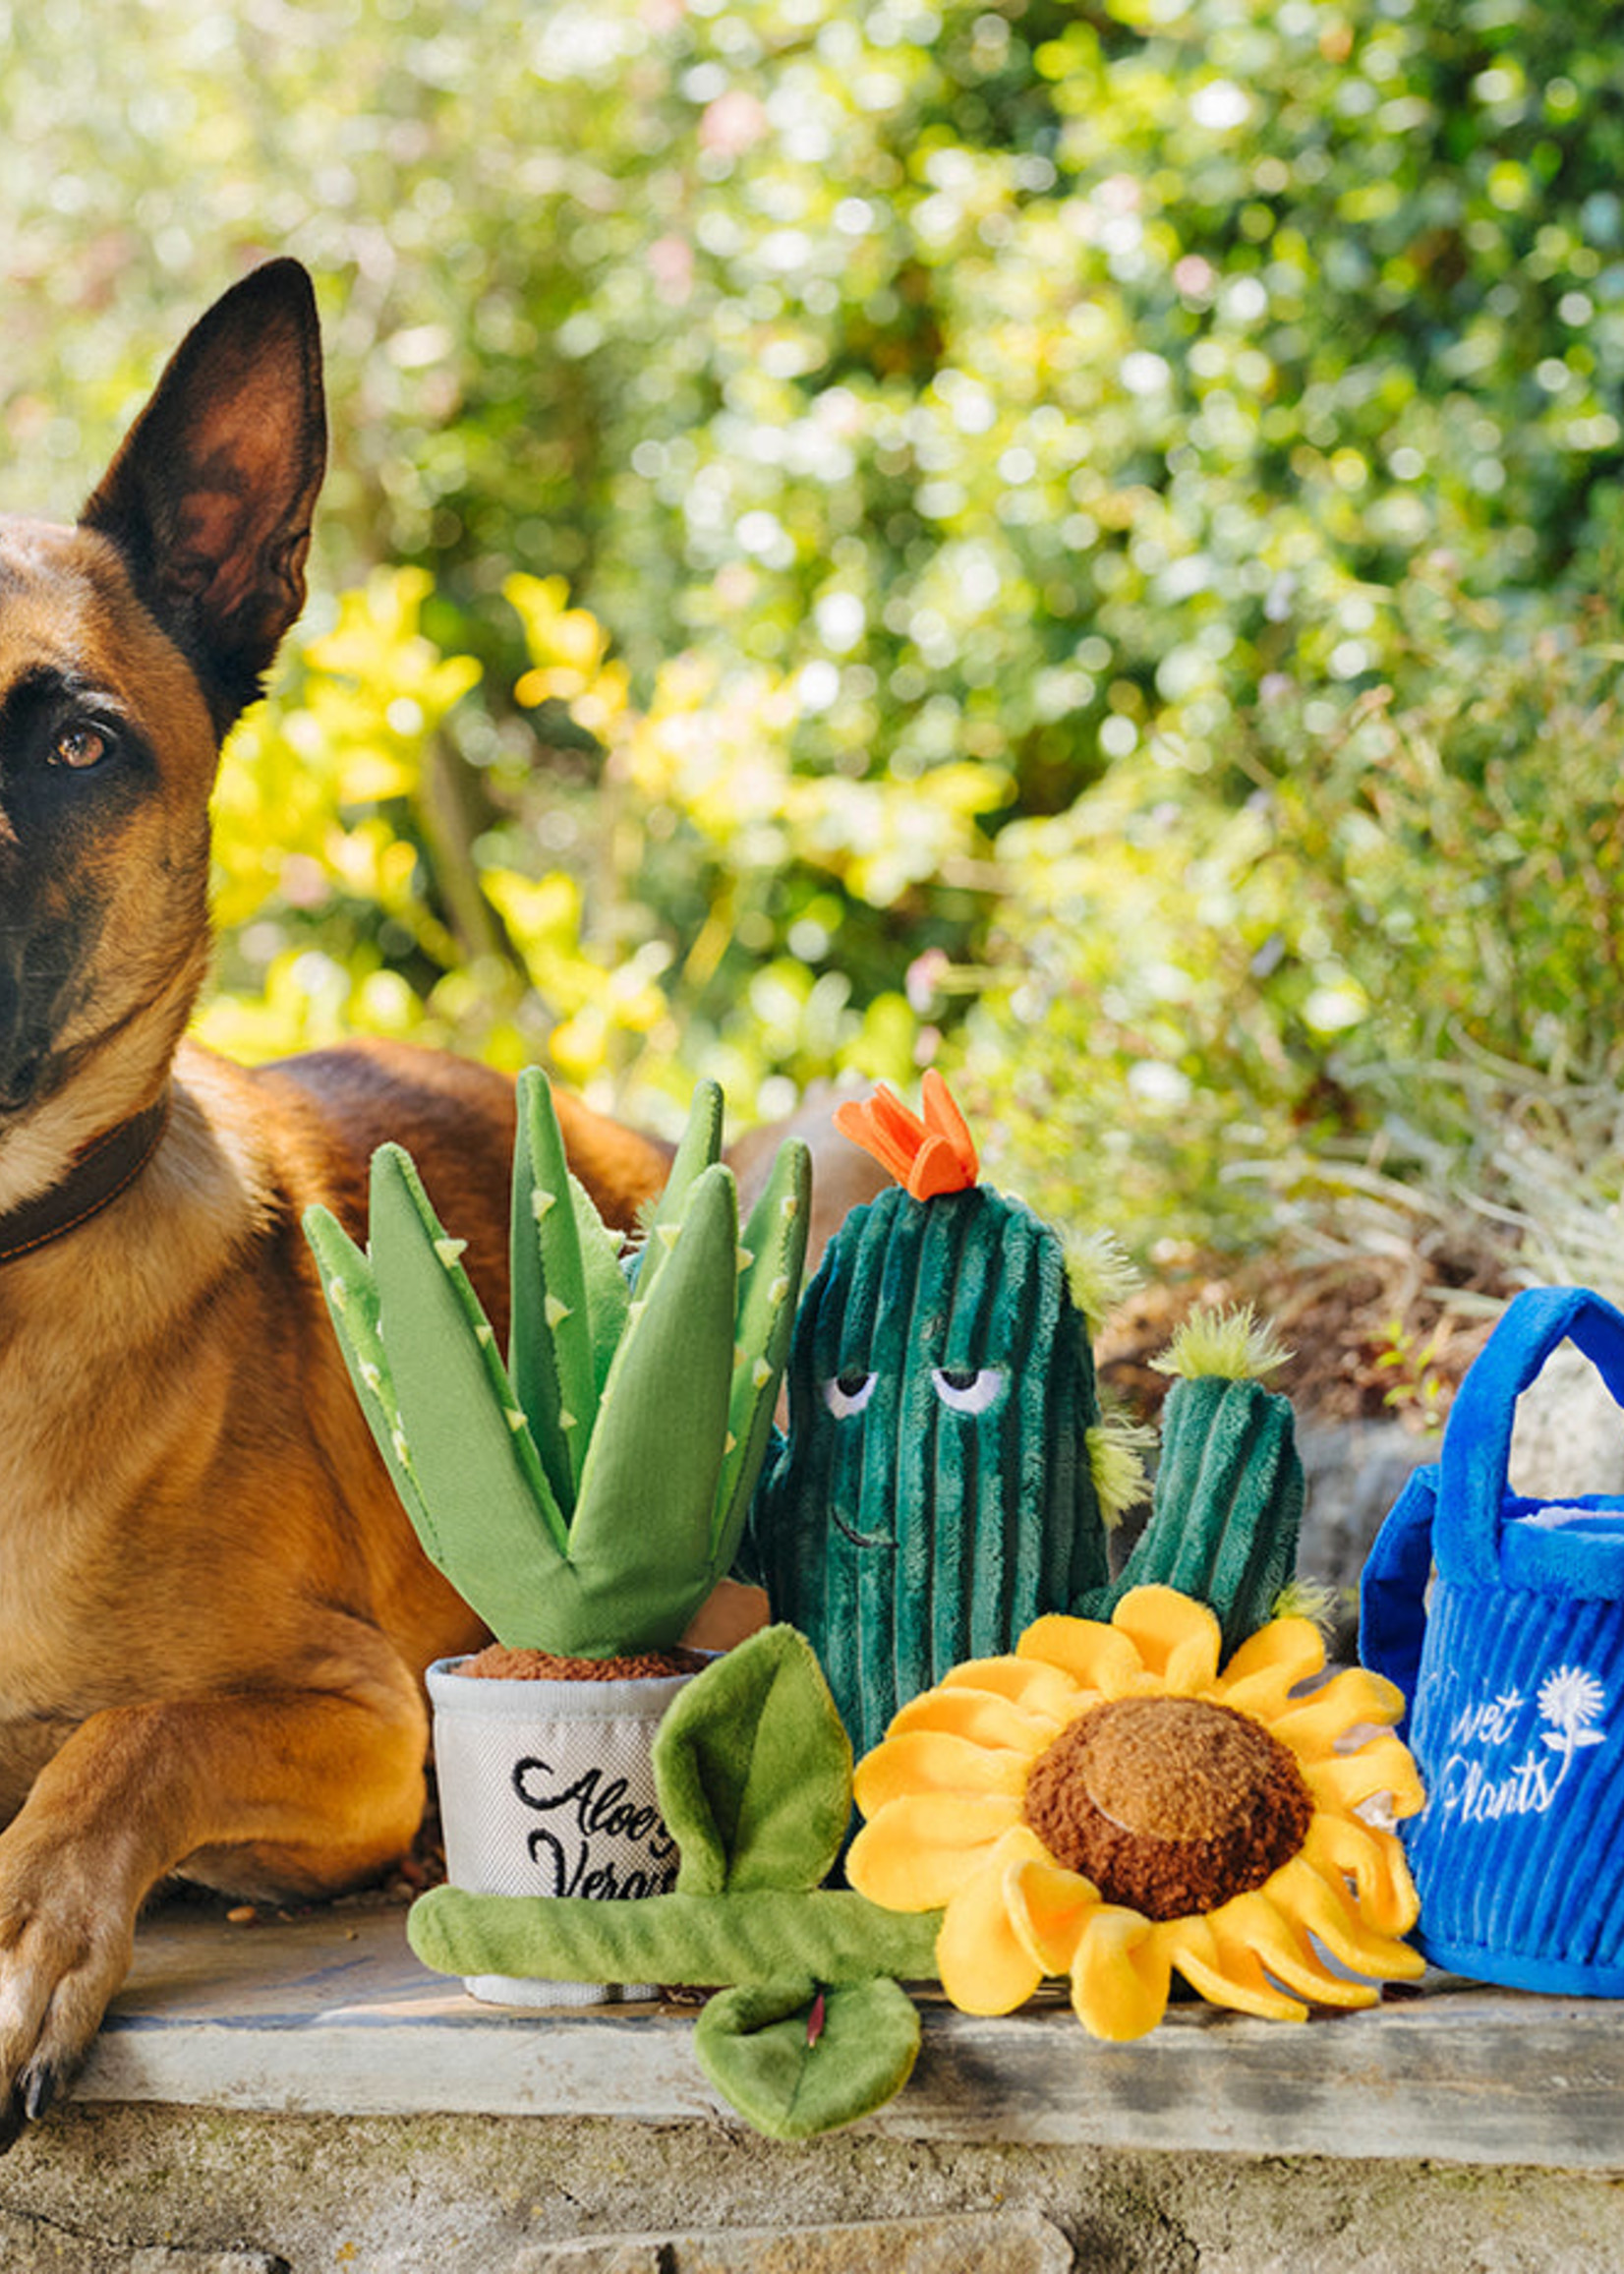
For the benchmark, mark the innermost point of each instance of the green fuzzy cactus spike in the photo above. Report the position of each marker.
(585, 1498)
(935, 1493)
(1229, 1492)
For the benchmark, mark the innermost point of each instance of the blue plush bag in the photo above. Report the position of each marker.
(1515, 1676)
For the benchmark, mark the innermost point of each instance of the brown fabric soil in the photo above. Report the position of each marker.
(496, 1662)
(1169, 1805)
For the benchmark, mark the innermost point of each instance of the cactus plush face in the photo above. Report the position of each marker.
(935, 1493)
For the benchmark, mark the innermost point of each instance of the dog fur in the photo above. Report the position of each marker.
(212, 1611)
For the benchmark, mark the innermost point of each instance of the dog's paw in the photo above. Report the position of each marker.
(62, 1956)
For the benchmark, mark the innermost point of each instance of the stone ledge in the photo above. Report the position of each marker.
(332, 2015)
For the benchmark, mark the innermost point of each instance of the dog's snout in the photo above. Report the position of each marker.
(31, 973)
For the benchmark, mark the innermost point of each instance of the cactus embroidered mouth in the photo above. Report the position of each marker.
(858, 1539)
(1104, 1805)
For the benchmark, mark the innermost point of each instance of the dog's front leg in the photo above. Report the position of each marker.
(285, 1791)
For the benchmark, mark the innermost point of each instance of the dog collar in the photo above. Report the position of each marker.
(102, 1169)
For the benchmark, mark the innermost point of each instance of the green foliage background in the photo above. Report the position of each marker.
(1077, 539)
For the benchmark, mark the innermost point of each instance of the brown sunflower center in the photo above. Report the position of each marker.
(1169, 1805)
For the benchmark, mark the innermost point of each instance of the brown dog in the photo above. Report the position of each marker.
(213, 1614)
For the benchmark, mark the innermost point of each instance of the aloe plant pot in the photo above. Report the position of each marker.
(546, 1788)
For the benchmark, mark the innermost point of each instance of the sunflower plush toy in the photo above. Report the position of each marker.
(1105, 1804)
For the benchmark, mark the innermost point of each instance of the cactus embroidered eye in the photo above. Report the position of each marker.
(967, 1389)
(847, 1393)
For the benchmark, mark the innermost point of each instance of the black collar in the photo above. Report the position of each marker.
(100, 1169)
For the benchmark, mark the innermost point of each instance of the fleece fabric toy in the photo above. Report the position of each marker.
(1105, 1804)
(585, 1498)
(948, 1475)
(1499, 1612)
(753, 1776)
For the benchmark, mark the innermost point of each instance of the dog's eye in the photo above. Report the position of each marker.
(80, 746)
(848, 1392)
(967, 1389)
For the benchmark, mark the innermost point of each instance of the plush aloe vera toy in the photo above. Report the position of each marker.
(585, 1498)
(948, 1477)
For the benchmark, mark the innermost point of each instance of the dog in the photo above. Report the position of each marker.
(213, 1613)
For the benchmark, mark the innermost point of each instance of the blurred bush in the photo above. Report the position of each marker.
(1197, 1012)
(939, 414)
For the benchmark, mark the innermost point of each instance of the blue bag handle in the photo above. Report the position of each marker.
(1392, 1588)
(1476, 1438)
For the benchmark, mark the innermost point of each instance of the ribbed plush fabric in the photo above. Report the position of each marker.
(934, 1495)
(1515, 1676)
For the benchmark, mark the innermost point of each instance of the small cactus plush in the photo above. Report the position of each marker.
(948, 1477)
(1229, 1484)
(585, 1498)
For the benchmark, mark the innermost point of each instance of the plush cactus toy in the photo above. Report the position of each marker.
(948, 1477)
(936, 1492)
(585, 1498)
(1229, 1492)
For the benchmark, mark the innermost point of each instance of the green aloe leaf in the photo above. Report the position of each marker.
(502, 1536)
(698, 1149)
(351, 1293)
(641, 1542)
(549, 1346)
(773, 1254)
(608, 1297)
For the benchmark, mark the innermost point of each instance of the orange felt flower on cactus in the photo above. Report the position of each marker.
(927, 1157)
(1103, 1803)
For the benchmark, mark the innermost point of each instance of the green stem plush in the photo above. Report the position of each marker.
(585, 1498)
(947, 1476)
(752, 1768)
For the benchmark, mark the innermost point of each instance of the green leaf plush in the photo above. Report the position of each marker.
(754, 1769)
(753, 1774)
(795, 2062)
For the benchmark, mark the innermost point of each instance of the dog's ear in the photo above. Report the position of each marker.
(209, 500)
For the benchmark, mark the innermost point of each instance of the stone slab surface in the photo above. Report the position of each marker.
(1002, 2243)
(332, 2015)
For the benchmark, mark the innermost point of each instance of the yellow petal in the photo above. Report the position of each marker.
(1048, 1906)
(919, 1851)
(1321, 1908)
(1176, 1637)
(1347, 1701)
(984, 1966)
(1096, 1657)
(1040, 1689)
(1269, 1665)
(1376, 1863)
(1226, 1973)
(1351, 1778)
(931, 1761)
(982, 1715)
(1120, 1976)
(1255, 1923)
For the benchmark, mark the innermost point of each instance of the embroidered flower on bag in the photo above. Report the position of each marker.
(1571, 1698)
